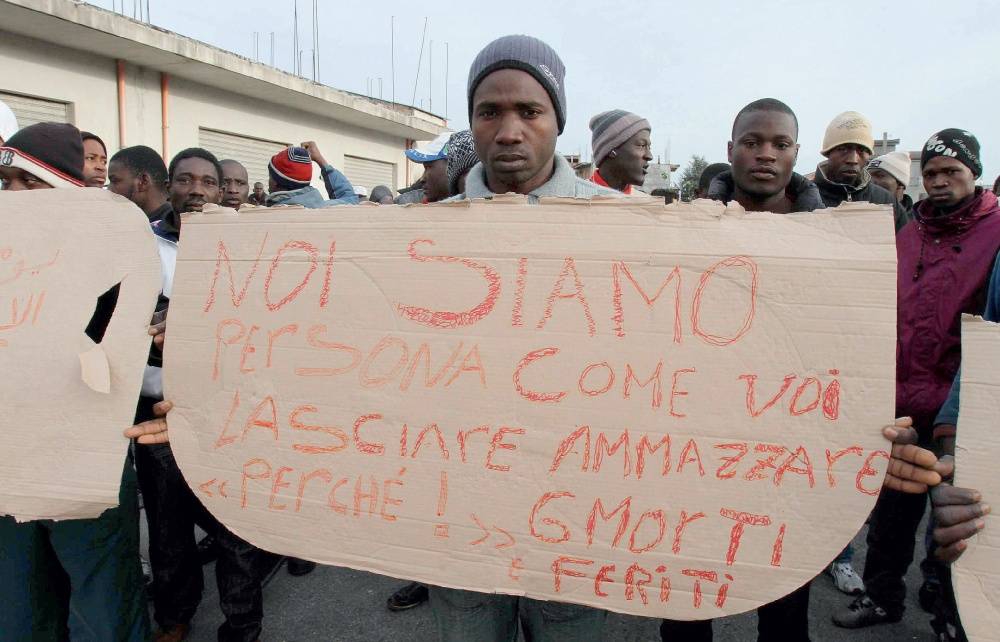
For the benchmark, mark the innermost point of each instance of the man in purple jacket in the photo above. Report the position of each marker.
(945, 257)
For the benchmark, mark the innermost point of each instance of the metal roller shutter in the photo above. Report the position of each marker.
(253, 153)
(368, 173)
(30, 110)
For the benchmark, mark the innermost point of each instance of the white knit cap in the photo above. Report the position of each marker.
(8, 122)
(896, 164)
(849, 127)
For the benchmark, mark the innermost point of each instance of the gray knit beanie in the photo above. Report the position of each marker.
(611, 129)
(527, 54)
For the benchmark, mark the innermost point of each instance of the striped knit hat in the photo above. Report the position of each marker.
(611, 129)
(291, 168)
(461, 158)
(52, 152)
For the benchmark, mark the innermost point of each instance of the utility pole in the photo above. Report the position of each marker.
(392, 54)
(296, 55)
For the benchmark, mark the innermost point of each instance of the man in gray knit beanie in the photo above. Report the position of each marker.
(621, 145)
(517, 109)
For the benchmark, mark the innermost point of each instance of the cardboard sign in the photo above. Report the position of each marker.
(977, 573)
(661, 411)
(66, 399)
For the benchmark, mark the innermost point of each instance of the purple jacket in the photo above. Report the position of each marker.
(945, 262)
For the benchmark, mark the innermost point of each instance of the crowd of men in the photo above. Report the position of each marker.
(82, 579)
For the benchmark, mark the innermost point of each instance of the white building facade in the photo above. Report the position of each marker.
(132, 83)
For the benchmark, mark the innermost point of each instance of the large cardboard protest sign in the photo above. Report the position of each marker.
(977, 572)
(662, 411)
(66, 400)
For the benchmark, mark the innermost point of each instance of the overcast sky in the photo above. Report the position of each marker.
(912, 67)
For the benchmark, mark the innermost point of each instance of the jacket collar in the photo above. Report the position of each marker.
(597, 178)
(161, 212)
(168, 226)
(825, 183)
(805, 195)
(562, 182)
(937, 223)
(307, 195)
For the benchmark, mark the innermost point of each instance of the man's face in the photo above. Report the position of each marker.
(844, 163)
(95, 163)
(122, 181)
(763, 152)
(514, 128)
(16, 179)
(195, 183)
(235, 185)
(436, 180)
(258, 190)
(885, 180)
(947, 181)
(632, 159)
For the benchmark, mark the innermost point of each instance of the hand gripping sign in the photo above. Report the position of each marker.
(65, 398)
(661, 411)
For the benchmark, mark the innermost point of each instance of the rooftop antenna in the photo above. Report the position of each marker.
(296, 56)
(420, 59)
(256, 46)
(430, 78)
(272, 48)
(392, 50)
(446, 81)
(380, 87)
(315, 40)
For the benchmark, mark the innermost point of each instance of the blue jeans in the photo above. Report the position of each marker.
(78, 579)
(468, 616)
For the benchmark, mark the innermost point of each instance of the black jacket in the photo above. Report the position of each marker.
(804, 194)
(836, 193)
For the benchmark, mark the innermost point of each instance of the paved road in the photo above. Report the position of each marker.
(336, 604)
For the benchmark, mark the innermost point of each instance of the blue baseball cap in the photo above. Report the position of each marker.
(437, 149)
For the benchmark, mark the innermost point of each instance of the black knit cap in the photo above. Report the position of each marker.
(527, 54)
(57, 145)
(954, 143)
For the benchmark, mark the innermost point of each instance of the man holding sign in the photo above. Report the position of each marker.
(945, 257)
(103, 597)
(517, 109)
(958, 512)
(762, 152)
(236, 417)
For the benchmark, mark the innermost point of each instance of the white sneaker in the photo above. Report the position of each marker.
(846, 578)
